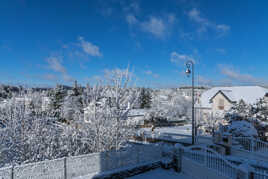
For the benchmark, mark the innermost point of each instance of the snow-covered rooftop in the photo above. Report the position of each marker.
(249, 94)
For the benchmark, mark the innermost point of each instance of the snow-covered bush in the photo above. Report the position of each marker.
(256, 114)
(242, 129)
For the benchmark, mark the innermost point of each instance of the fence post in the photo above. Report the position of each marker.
(65, 168)
(178, 160)
(205, 157)
(12, 172)
(251, 145)
(251, 175)
(245, 172)
(138, 154)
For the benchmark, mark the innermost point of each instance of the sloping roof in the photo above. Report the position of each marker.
(227, 94)
(249, 94)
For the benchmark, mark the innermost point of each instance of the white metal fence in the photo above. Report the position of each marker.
(209, 159)
(252, 144)
(66, 168)
(259, 175)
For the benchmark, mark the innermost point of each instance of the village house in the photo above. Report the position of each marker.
(186, 91)
(220, 99)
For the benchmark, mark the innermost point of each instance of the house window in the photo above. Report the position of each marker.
(221, 104)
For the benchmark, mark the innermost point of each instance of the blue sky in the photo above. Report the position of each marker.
(49, 42)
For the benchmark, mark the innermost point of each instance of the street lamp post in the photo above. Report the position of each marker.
(190, 64)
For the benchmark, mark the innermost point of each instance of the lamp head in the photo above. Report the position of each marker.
(188, 72)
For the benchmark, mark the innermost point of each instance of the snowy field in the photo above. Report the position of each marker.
(186, 129)
(161, 174)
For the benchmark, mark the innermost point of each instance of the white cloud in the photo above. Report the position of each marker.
(205, 23)
(50, 77)
(131, 19)
(134, 7)
(171, 18)
(223, 27)
(155, 26)
(203, 81)
(89, 48)
(54, 63)
(194, 15)
(236, 76)
(150, 73)
(180, 58)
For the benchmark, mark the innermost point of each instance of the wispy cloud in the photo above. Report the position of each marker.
(203, 80)
(223, 28)
(54, 63)
(131, 19)
(237, 77)
(178, 58)
(50, 77)
(159, 27)
(150, 73)
(133, 7)
(205, 24)
(89, 48)
(155, 26)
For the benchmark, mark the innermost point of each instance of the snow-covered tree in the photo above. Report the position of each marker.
(105, 126)
(167, 107)
(207, 124)
(57, 99)
(145, 98)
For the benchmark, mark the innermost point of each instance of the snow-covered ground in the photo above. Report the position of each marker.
(186, 129)
(161, 174)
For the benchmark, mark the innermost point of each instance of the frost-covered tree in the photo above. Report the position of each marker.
(106, 110)
(173, 107)
(207, 124)
(27, 137)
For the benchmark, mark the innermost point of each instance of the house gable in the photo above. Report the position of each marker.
(222, 93)
(220, 101)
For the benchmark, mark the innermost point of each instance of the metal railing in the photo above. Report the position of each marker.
(258, 175)
(252, 144)
(210, 159)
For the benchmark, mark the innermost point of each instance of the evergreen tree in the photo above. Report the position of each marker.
(57, 98)
(145, 98)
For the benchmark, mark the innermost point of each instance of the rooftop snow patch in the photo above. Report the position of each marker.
(249, 94)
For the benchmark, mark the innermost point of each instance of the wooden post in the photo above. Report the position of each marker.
(65, 168)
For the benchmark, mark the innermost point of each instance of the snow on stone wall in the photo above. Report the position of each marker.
(85, 164)
(48, 169)
(107, 161)
(5, 173)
